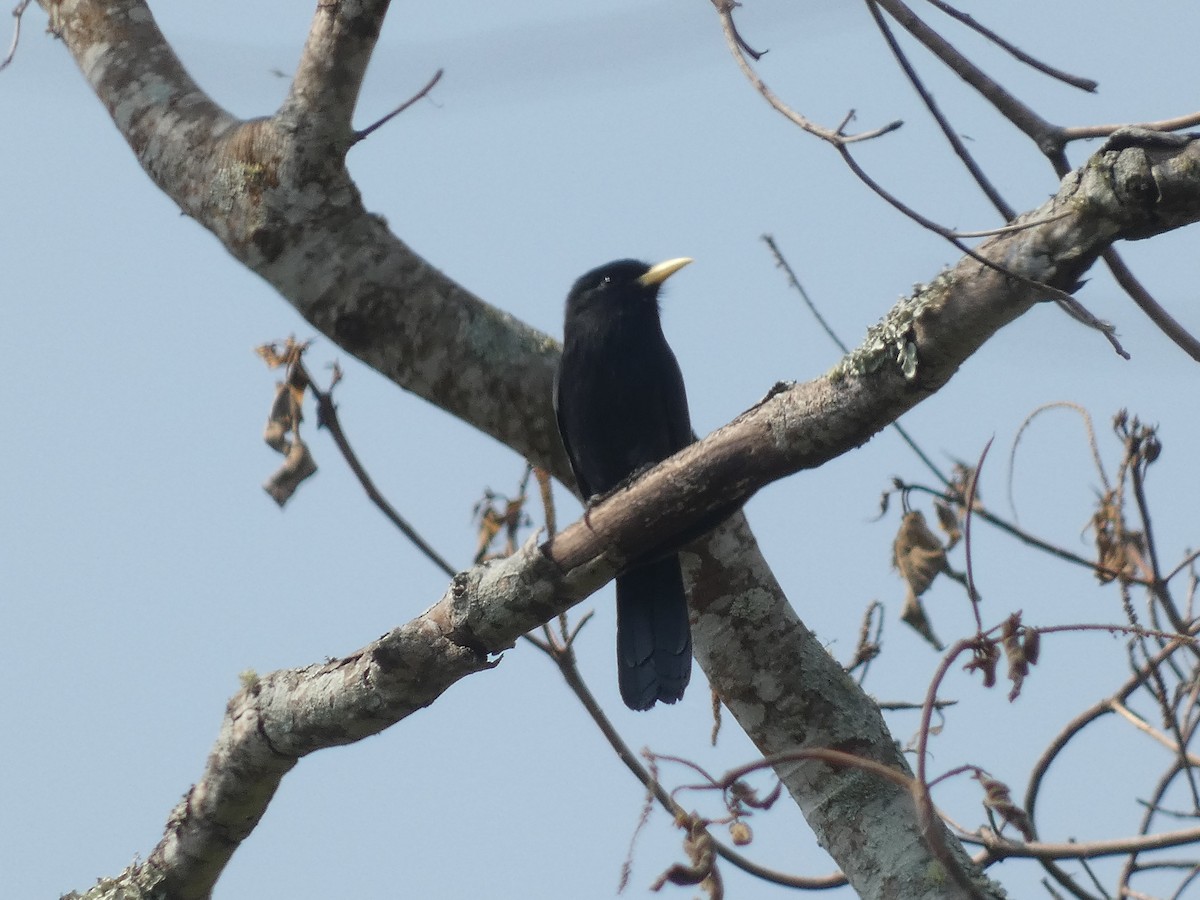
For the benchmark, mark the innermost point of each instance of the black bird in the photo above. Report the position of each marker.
(621, 407)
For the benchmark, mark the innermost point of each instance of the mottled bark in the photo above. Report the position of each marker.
(277, 194)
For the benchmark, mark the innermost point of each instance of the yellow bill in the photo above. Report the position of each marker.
(664, 270)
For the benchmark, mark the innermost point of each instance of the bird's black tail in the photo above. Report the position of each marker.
(654, 640)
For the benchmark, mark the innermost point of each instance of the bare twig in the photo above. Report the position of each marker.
(1064, 300)
(544, 491)
(1084, 84)
(1051, 140)
(1132, 866)
(1085, 849)
(327, 417)
(1013, 227)
(18, 12)
(1146, 303)
(869, 644)
(1045, 135)
(1187, 561)
(366, 132)
(781, 261)
(726, 7)
(1091, 873)
(956, 142)
(738, 48)
(1091, 434)
(1075, 727)
(999, 847)
(1122, 710)
(1090, 132)
(562, 653)
(1026, 537)
(969, 506)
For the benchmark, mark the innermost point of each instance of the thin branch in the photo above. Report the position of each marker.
(1003, 848)
(1064, 300)
(1010, 228)
(1146, 303)
(1142, 449)
(869, 645)
(1086, 717)
(738, 48)
(1090, 132)
(1065, 881)
(1192, 876)
(728, 6)
(782, 262)
(1027, 538)
(562, 654)
(18, 12)
(969, 506)
(906, 706)
(1084, 849)
(1141, 455)
(327, 417)
(423, 92)
(1187, 561)
(1043, 133)
(1088, 427)
(956, 142)
(1084, 84)
(935, 838)
(1122, 710)
(1091, 873)
(1051, 139)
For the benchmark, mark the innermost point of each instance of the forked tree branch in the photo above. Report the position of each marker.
(276, 192)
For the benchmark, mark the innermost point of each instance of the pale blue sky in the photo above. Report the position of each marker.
(142, 567)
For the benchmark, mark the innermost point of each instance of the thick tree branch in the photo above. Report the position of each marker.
(281, 201)
(324, 91)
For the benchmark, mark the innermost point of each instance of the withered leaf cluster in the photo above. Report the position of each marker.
(1021, 647)
(919, 556)
(282, 433)
(998, 799)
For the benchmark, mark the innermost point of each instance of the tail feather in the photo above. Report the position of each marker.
(654, 639)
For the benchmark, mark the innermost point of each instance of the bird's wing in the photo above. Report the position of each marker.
(560, 417)
(675, 406)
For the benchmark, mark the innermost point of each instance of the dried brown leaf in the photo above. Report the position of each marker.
(913, 615)
(917, 553)
(948, 522)
(740, 833)
(701, 869)
(297, 466)
(985, 657)
(998, 798)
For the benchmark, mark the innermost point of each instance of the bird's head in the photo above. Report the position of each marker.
(627, 284)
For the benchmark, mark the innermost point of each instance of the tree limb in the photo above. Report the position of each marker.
(276, 192)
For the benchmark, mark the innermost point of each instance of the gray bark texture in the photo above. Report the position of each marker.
(275, 191)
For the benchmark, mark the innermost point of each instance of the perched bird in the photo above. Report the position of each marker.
(621, 408)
